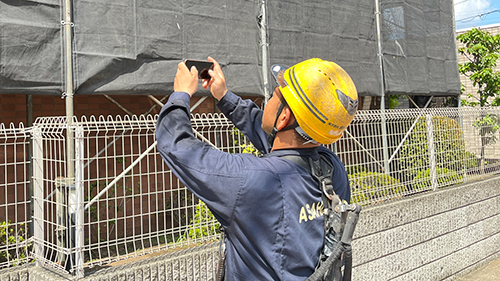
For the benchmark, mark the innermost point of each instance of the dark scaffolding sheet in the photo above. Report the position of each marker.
(340, 31)
(134, 46)
(30, 47)
(419, 46)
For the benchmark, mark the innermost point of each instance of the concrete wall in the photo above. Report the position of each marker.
(433, 236)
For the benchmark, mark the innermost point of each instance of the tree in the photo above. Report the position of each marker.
(482, 51)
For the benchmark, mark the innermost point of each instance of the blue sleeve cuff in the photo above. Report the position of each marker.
(180, 96)
(228, 102)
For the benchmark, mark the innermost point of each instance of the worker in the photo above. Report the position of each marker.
(269, 207)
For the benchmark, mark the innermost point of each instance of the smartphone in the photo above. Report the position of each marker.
(201, 66)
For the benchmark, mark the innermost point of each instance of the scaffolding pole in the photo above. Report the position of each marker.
(385, 147)
(68, 81)
(264, 49)
(75, 260)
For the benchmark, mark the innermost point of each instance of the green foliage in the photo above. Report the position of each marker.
(449, 146)
(242, 147)
(355, 169)
(488, 126)
(482, 51)
(203, 223)
(444, 178)
(394, 101)
(369, 186)
(470, 160)
(13, 235)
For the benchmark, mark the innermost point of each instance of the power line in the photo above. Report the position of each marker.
(466, 12)
(462, 2)
(477, 16)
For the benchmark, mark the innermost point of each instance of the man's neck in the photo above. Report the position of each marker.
(289, 140)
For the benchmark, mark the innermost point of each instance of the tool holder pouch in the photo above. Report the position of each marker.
(340, 220)
(340, 223)
(333, 234)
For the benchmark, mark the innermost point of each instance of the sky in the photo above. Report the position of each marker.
(475, 13)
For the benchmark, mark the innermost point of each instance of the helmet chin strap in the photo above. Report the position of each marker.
(272, 136)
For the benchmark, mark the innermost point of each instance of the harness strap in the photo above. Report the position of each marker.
(340, 220)
(321, 170)
(221, 266)
(299, 160)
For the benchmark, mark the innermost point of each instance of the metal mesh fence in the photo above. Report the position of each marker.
(14, 195)
(123, 201)
(422, 149)
(132, 203)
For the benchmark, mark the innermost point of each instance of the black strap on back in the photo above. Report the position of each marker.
(340, 220)
(221, 266)
(322, 171)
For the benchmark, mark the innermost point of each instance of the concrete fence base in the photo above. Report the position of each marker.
(432, 236)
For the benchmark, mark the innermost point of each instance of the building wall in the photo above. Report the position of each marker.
(13, 108)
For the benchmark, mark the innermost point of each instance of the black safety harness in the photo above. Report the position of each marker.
(340, 220)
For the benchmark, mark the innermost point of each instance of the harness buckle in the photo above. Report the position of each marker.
(344, 207)
(325, 190)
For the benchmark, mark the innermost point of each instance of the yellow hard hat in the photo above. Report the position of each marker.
(321, 95)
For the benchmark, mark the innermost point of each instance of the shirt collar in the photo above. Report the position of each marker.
(307, 152)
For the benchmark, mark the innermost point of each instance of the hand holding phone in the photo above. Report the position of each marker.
(201, 66)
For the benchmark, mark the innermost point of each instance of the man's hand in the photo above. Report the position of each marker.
(217, 82)
(185, 80)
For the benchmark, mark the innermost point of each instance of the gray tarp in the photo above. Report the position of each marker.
(419, 46)
(134, 46)
(30, 47)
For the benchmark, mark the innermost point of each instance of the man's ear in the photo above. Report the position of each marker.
(285, 119)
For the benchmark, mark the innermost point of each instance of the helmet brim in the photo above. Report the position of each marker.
(277, 70)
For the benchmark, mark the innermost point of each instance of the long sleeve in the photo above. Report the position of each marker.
(247, 117)
(207, 171)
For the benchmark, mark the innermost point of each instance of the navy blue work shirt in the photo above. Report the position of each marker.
(270, 207)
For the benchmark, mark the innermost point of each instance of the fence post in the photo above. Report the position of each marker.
(38, 212)
(432, 151)
(77, 203)
(61, 218)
